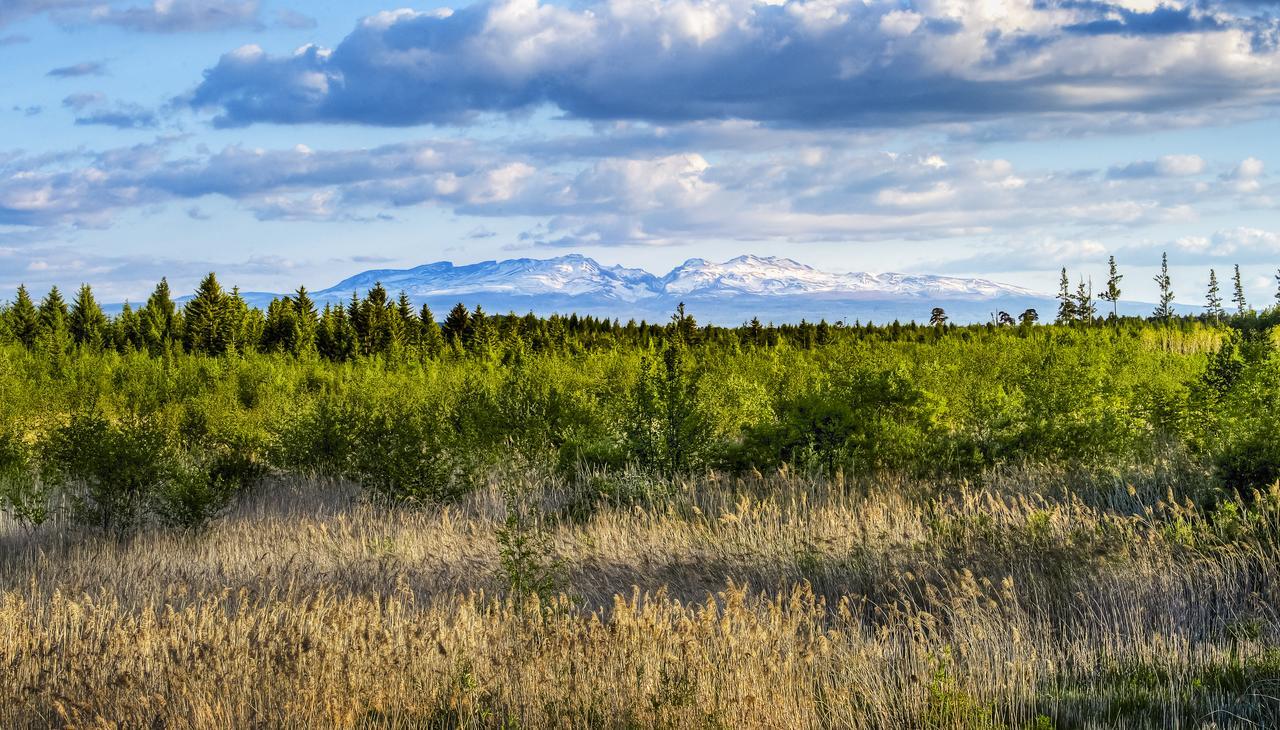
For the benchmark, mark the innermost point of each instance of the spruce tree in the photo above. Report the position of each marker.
(53, 313)
(431, 338)
(1213, 299)
(159, 320)
(24, 319)
(208, 320)
(87, 322)
(1237, 296)
(457, 323)
(1066, 302)
(127, 330)
(1112, 292)
(306, 320)
(1164, 309)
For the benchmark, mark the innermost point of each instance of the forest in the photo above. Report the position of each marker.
(361, 516)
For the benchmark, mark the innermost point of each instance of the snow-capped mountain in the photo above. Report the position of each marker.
(571, 275)
(773, 288)
(773, 276)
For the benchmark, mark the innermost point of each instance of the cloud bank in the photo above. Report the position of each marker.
(798, 62)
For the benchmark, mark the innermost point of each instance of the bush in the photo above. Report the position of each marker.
(408, 452)
(22, 493)
(115, 476)
(109, 472)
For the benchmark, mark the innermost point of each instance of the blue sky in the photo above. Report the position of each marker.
(287, 142)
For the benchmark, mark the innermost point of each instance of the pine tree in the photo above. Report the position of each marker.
(1112, 293)
(24, 319)
(938, 317)
(1237, 296)
(209, 328)
(1213, 299)
(1066, 302)
(87, 322)
(1085, 310)
(1164, 309)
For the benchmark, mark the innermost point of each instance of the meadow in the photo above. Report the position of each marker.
(220, 518)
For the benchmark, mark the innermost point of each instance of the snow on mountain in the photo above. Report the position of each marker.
(573, 275)
(579, 276)
(773, 276)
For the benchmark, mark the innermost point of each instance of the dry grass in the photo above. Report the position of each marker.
(776, 602)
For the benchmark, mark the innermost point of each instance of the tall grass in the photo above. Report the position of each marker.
(1037, 598)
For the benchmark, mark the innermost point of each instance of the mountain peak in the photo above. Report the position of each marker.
(782, 287)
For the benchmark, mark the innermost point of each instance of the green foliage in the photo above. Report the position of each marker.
(525, 553)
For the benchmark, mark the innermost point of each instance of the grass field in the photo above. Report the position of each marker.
(777, 601)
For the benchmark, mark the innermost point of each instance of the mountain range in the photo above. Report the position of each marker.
(771, 288)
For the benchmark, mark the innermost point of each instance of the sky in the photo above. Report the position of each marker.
(282, 142)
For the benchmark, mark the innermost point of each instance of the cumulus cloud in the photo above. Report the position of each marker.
(798, 62)
(1236, 245)
(813, 192)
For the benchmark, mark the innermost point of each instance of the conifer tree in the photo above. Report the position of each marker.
(1237, 296)
(159, 320)
(208, 319)
(1066, 302)
(938, 317)
(1213, 298)
(87, 322)
(431, 338)
(1164, 309)
(1085, 309)
(457, 323)
(53, 313)
(1112, 292)
(126, 330)
(305, 321)
(24, 319)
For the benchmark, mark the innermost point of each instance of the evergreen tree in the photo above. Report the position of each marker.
(1164, 309)
(279, 329)
(1278, 286)
(1029, 317)
(306, 320)
(431, 338)
(457, 323)
(53, 313)
(209, 328)
(335, 336)
(410, 332)
(1066, 302)
(24, 319)
(1085, 310)
(1213, 298)
(87, 322)
(159, 320)
(938, 317)
(126, 330)
(1237, 296)
(1112, 293)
